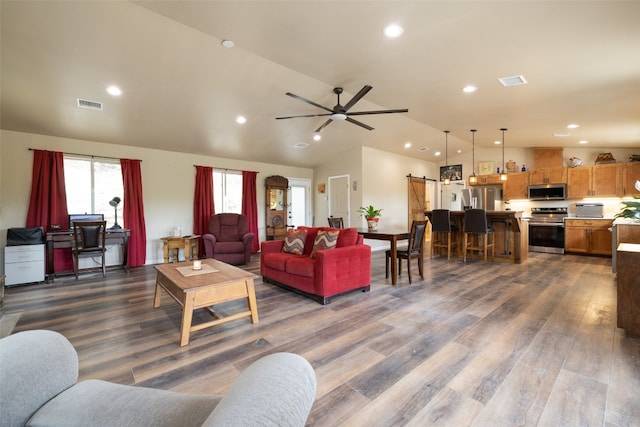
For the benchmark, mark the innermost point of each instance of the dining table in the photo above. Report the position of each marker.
(392, 235)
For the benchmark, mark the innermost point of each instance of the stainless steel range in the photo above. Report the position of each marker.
(546, 230)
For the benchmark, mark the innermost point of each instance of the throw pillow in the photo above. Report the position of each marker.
(294, 242)
(324, 240)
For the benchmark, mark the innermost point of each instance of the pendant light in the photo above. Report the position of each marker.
(503, 174)
(447, 178)
(473, 179)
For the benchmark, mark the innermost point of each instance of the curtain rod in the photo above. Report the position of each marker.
(424, 178)
(226, 169)
(85, 155)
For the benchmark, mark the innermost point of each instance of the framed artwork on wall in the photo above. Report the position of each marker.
(453, 171)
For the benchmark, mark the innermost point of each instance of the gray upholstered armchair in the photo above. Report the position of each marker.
(39, 371)
(229, 239)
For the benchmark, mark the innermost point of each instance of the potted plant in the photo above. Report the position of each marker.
(371, 214)
(631, 208)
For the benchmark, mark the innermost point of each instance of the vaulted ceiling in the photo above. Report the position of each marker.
(182, 90)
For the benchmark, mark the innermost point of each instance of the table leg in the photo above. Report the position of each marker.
(187, 317)
(158, 296)
(394, 261)
(194, 249)
(187, 250)
(50, 272)
(165, 250)
(253, 304)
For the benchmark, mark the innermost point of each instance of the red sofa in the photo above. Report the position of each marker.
(346, 268)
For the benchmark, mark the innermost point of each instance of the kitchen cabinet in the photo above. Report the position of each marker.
(557, 175)
(516, 186)
(493, 178)
(630, 174)
(628, 291)
(593, 181)
(587, 236)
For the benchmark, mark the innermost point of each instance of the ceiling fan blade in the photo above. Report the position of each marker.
(357, 97)
(299, 98)
(355, 122)
(324, 125)
(362, 113)
(306, 115)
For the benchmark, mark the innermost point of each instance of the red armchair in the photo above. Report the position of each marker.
(228, 239)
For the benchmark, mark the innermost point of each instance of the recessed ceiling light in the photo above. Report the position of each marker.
(228, 44)
(114, 90)
(317, 137)
(301, 145)
(561, 134)
(392, 31)
(469, 89)
(497, 142)
(513, 80)
(423, 149)
(583, 142)
(437, 153)
(241, 119)
(459, 151)
(573, 126)
(407, 145)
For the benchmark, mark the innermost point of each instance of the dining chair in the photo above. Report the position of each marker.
(442, 231)
(89, 242)
(475, 224)
(336, 222)
(414, 249)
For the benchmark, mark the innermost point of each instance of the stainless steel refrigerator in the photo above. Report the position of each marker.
(485, 197)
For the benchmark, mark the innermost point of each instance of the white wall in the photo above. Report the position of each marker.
(168, 182)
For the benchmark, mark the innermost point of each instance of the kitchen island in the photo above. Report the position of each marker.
(511, 234)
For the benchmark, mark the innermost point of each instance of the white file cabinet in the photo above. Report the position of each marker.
(23, 264)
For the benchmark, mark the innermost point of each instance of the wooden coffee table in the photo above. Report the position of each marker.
(216, 283)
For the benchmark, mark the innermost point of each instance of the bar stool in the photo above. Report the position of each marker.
(475, 222)
(441, 231)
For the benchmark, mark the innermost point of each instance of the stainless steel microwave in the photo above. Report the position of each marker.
(548, 192)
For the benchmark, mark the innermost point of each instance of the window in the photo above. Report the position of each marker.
(227, 191)
(91, 184)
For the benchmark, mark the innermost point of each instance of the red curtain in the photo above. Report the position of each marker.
(202, 202)
(249, 205)
(48, 203)
(133, 212)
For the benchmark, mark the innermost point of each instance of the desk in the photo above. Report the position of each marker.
(64, 239)
(188, 243)
(392, 236)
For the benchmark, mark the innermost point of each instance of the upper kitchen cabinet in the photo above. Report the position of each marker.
(516, 186)
(493, 178)
(553, 175)
(630, 174)
(594, 181)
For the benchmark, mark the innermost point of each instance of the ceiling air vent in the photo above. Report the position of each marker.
(513, 81)
(91, 105)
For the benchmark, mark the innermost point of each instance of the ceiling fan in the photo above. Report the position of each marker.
(340, 112)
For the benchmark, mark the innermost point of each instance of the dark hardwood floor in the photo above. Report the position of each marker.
(473, 344)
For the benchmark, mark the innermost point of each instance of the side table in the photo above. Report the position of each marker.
(174, 244)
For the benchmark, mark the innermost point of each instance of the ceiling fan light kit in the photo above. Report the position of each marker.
(341, 112)
(503, 174)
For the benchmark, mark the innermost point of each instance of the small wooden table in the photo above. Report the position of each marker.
(216, 283)
(188, 243)
(391, 236)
